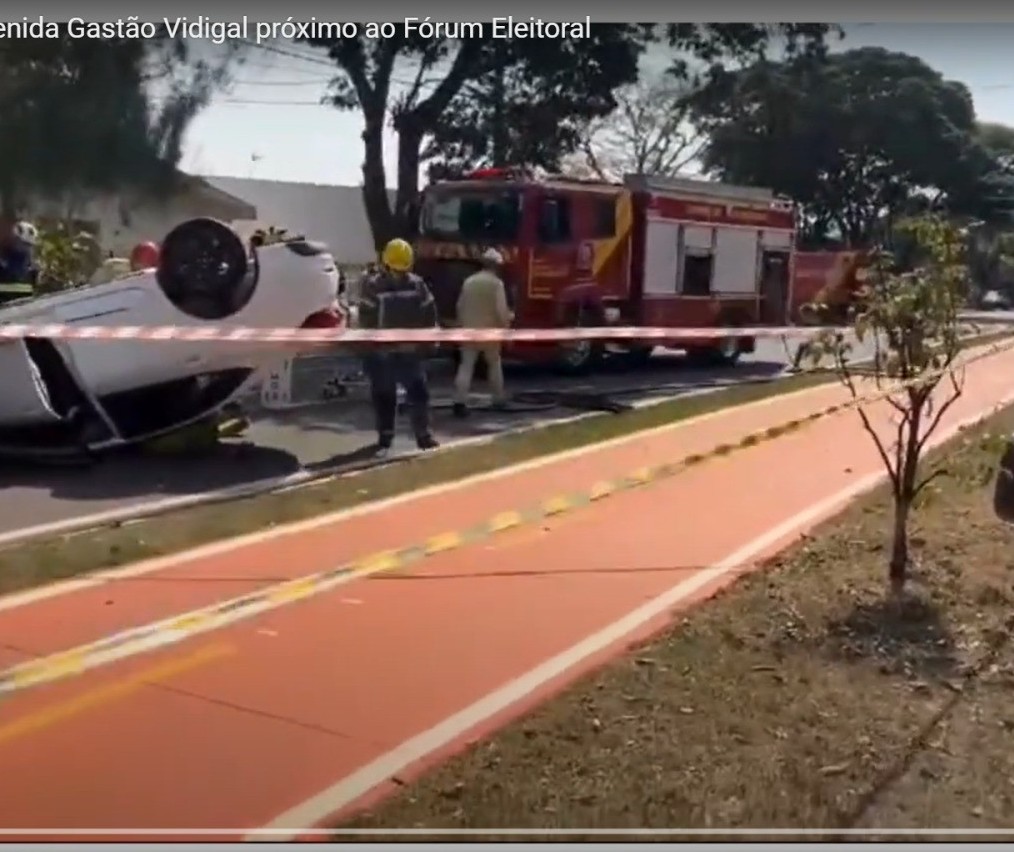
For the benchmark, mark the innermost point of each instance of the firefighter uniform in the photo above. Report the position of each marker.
(18, 273)
(396, 298)
(9, 292)
(482, 304)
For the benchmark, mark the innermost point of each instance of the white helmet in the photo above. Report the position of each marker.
(492, 257)
(27, 233)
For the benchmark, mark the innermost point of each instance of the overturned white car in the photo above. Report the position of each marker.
(61, 396)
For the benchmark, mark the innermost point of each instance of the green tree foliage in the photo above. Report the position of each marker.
(909, 311)
(507, 117)
(66, 257)
(80, 117)
(998, 139)
(858, 139)
(528, 102)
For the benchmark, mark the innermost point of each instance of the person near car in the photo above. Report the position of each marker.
(396, 298)
(18, 272)
(144, 256)
(482, 304)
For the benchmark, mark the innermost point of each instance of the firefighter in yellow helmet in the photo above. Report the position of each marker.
(392, 298)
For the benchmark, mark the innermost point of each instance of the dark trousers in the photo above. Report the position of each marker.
(388, 370)
(1003, 490)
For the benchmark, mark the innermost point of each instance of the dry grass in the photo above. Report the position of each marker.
(798, 698)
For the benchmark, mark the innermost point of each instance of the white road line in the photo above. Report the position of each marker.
(161, 563)
(327, 803)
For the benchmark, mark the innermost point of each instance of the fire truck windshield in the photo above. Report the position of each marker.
(472, 215)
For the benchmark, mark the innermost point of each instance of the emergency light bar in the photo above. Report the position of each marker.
(498, 174)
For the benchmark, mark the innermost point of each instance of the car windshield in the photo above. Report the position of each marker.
(471, 215)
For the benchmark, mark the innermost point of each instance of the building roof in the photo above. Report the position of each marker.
(239, 207)
(332, 214)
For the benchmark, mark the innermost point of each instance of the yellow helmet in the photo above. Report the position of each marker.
(398, 255)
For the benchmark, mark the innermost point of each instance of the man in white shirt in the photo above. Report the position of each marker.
(482, 304)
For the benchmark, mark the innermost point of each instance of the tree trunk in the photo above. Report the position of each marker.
(375, 198)
(409, 146)
(899, 546)
(905, 494)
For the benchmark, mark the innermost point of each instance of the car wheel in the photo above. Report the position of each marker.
(204, 270)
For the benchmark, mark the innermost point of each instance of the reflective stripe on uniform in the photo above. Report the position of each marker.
(17, 289)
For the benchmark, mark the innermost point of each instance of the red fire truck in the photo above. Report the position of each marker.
(650, 251)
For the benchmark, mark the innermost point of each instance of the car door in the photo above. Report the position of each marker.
(552, 264)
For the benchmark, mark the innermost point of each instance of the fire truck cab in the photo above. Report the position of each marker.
(650, 251)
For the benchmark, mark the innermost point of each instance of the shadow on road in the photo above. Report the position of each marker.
(539, 395)
(132, 474)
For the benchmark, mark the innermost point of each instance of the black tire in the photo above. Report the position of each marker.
(585, 356)
(635, 357)
(725, 352)
(204, 270)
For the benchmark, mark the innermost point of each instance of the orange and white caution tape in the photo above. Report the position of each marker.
(246, 334)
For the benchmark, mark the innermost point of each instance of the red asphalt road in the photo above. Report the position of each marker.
(232, 728)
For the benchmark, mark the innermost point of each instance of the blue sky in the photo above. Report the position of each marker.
(269, 124)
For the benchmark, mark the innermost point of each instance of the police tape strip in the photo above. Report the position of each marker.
(246, 334)
(178, 628)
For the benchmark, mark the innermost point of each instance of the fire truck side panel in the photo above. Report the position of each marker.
(592, 261)
(661, 259)
(699, 262)
(671, 247)
(587, 272)
(611, 247)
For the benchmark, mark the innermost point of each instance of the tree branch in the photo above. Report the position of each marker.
(892, 470)
(957, 388)
(430, 109)
(936, 474)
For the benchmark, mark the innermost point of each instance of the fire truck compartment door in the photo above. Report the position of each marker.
(698, 240)
(661, 257)
(776, 240)
(736, 261)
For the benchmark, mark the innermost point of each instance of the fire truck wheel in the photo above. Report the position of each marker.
(636, 356)
(581, 356)
(725, 353)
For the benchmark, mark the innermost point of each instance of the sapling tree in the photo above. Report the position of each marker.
(908, 310)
